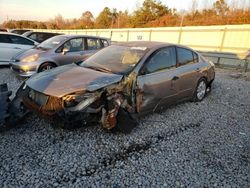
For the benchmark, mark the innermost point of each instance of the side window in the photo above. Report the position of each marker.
(4, 39)
(93, 44)
(163, 59)
(74, 45)
(185, 56)
(20, 40)
(105, 43)
(196, 58)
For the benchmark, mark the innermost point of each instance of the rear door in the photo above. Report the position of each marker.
(93, 45)
(188, 72)
(156, 83)
(11, 45)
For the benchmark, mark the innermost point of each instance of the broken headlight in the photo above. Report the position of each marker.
(79, 99)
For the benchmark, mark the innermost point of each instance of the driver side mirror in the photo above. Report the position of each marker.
(65, 51)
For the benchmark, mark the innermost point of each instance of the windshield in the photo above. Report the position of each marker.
(116, 59)
(51, 43)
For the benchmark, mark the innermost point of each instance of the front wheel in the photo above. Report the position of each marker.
(201, 90)
(46, 66)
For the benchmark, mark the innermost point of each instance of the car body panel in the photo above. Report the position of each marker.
(70, 78)
(151, 86)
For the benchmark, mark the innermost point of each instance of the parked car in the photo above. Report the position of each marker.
(13, 44)
(56, 51)
(118, 84)
(39, 36)
(19, 31)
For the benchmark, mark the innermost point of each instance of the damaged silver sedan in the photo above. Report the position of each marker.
(119, 84)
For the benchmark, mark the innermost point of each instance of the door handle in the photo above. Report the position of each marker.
(17, 48)
(175, 78)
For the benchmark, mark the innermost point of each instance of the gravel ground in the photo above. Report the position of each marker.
(204, 144)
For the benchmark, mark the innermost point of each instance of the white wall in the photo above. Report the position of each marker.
(224, 38)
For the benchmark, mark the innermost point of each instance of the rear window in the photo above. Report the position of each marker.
(185, 56)
(105, 43)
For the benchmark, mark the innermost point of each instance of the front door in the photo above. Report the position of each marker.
(75, 49)
(157, 84)
(188, 72)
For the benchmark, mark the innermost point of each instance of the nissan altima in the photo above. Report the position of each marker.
(118, 84)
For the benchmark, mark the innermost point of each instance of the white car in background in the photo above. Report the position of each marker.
(13, 44)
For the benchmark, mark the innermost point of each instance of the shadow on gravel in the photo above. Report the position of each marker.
(125, 153)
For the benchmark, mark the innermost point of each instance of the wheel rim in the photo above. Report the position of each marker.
(48, 67)
(201, 90)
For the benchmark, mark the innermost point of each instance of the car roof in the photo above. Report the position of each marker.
(14, 34)
(146, 44)
(42, 32)
(8, 33)
(149, 44)
(74, 36)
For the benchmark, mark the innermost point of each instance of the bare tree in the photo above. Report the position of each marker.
(194, 6)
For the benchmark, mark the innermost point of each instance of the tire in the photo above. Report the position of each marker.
(46, 66)
(200, 91)
(125, 121)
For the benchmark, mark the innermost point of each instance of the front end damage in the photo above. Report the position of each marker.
(11, 111)
(113, 106)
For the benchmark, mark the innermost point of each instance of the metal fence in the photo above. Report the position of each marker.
(223, 38)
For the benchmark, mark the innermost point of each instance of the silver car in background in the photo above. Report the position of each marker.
(57, 51)
(13, 44)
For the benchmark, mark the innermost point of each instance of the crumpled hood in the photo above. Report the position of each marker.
(29, 52)
(70, 78)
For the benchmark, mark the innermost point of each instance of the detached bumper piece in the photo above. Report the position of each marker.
(11, 111)
(4, 104)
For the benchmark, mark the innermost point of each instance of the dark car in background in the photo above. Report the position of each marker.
(119, 83)
(57, 51)
(19, 31)
(39, 36)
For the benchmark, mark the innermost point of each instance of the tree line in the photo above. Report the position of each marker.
(152, 13)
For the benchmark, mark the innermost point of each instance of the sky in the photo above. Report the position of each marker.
(43, 10)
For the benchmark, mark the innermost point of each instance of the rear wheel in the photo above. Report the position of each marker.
(46, 66)
(201, 90)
